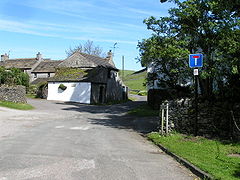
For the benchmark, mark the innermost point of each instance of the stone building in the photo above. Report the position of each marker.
(36, 67)
(87, 79)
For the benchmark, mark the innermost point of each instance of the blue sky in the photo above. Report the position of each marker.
(52, 26)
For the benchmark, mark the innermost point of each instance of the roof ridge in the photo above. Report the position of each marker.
(104, 60)
(75, 59)
(51, 60)
(21, 59)
(92, 55)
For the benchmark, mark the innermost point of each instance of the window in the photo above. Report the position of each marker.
(35, 75)
(49, 75)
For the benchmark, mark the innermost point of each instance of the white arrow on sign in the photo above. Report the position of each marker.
(195, 58)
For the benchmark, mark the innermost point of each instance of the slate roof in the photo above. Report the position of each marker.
(82, 60)
(40, 80)
(47, 66)
(23, 63)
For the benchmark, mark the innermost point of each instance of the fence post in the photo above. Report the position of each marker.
(166, 117)
(162, 120)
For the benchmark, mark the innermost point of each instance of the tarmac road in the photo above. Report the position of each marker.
(69, 141)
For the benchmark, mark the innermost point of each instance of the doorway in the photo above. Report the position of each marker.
(101, 95)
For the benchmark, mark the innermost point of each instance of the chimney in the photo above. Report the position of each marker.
(110, 55)
(4, 57)
(39, 56)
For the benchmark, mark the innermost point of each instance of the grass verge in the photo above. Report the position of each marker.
(32, 96)
(140, 93)
(19, 106)
(143, 111)
(212, 156)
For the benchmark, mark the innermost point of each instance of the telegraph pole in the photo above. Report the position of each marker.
(122, 67)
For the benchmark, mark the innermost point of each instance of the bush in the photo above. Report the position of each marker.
(62, 87)
(14, 76)
(32, 90)
(42, 90)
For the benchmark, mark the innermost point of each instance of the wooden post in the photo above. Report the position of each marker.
(122, 68)
(162, 121)
(166, 117)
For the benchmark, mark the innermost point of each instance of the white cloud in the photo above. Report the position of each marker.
(33, 29)
(143, 12)
(104, 40)
(13, 26)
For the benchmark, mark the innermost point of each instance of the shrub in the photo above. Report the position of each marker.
(13, 76)
(42, 90)
(62, 87)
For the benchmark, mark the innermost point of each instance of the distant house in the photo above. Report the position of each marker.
(87, 79)
(35, 67)
(44, 70)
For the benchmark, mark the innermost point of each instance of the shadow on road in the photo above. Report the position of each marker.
(115, 116)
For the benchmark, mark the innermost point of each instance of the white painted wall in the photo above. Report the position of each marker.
(75, 92)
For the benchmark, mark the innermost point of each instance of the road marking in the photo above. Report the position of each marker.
(59, 170)
(3, 178)
(58, 127)
(80, 128)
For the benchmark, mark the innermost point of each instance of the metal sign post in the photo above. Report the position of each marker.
(196, 103)
(196, 61)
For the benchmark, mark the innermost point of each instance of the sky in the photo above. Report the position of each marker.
(52, 26)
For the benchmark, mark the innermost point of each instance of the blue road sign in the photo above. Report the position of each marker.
(195, 60)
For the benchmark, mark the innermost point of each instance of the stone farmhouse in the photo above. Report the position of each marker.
(35, 67)
(87, 78)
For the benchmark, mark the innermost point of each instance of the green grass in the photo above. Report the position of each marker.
(32, 96)
(19, 106)
(143, 111)
(209, 155)
(126, 73)
(134, 81)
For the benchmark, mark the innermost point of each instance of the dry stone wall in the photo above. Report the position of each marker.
(214, 120)
(16, 94)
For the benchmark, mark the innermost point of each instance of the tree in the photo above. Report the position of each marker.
(203, 26)
(168, 56)
(13, 76)
(88, 47)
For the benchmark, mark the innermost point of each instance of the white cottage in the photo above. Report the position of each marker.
(86, 79)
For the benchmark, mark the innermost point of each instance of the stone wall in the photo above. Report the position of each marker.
(15, 94)
(156, 96)
(214, 120)
(116, 91)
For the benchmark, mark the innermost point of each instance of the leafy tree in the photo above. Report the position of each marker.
(167, 54)
(13, 76)
(88, 47)
(203, 26)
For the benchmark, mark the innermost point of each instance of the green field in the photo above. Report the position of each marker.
(134, 81)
